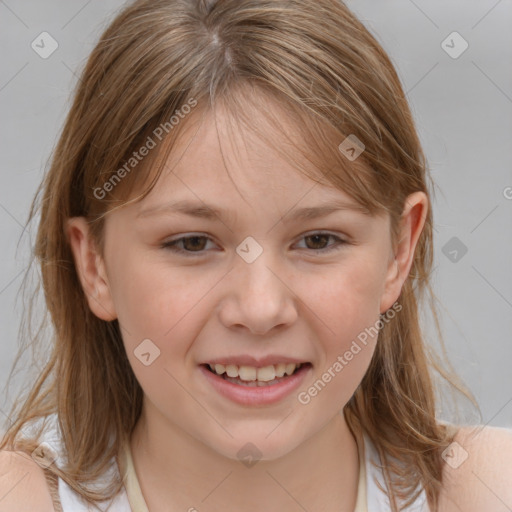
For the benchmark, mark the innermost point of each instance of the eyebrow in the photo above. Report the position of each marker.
(211, 212)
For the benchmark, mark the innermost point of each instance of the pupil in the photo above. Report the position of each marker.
(316, 237)
(194, 246)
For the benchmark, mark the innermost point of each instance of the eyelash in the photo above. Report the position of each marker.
(172, 244)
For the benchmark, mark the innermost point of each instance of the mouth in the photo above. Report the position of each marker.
(251, 386)
(251, 376)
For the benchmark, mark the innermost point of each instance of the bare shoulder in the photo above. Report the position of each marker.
(477, 473)
(23, 485)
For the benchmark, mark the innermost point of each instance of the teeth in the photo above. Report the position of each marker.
(289, 368)
(246, 372)
(232, 370)
(265, 374)
(280, 370)
(251, 373)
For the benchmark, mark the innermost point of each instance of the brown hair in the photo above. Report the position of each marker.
(333, 79)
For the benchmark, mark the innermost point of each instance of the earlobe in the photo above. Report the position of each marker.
(412, 223)
(90, 268)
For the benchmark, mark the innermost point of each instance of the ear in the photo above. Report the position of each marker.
(411, 225)
(90, 268)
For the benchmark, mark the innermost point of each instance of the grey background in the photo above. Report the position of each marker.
(462, 107)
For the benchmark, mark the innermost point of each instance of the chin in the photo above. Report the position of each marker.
(257, 444)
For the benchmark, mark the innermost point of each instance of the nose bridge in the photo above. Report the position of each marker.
(256, 268)
(259, 297)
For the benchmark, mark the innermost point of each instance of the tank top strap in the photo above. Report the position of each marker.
(361, 500)
(70, 500)
(131, 483)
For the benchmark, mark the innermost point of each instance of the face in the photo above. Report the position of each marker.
(254, 287)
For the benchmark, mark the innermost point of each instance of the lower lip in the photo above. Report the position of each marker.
(258, 395)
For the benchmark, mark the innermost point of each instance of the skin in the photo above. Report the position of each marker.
(290, 300)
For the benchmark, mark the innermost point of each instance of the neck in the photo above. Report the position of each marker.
(178, 472)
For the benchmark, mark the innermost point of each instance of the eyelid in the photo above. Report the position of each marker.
(340, 241)
(172, 244)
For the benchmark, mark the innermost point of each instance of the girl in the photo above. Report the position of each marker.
(235, 242)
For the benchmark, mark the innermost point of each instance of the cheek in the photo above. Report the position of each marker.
(163, 304)
(348, 299)
(348, 306)
(159, 312)
(150, 296)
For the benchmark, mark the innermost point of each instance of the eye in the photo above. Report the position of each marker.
(319, 239)
(195, 245)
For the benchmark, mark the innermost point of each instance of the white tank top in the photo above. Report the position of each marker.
(130, 499)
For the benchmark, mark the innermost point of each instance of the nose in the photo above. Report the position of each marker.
(259, 296)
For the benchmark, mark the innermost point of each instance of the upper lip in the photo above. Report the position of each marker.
(247, 360)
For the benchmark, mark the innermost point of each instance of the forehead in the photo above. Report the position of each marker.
(218, 152)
